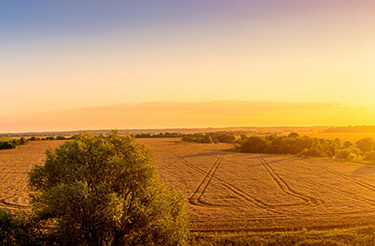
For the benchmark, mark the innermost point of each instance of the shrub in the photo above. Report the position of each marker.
(293, 135)
(19, 229)
(254, 144)
(365, 144)
(343, 153)
(369, 156)
(352, 157)
(7, 228)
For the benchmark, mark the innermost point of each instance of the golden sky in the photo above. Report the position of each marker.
(59, 59)
(191, 115)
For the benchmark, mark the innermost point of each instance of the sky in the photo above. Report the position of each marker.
(113, 61)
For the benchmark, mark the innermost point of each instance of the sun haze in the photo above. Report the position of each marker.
(145, 64)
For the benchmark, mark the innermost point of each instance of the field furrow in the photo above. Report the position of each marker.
(229, 191)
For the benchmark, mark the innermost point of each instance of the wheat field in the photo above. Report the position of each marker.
(229, 191)
(14, 166)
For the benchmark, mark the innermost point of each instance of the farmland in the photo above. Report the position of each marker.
(229, 191)
(5, 139)
(14, 165)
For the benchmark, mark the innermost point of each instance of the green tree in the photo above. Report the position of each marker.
(22, 140)
(369, 156)
(104, 190)
(347, 144)
(254, 144)
(293, 135)
(207, 139)
(365, 144)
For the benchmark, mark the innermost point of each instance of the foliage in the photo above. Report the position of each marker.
(33, 138)
(254, 144)
(293, 135)
(363, 149)
(365, 144)
(8, 143)
(160, 135)
(7, 227)
(211, 137)
(369, 156)
(19, 229)
(348, 153)
(12, 143)
(104, 190)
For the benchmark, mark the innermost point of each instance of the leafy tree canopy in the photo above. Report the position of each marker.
(104, 190)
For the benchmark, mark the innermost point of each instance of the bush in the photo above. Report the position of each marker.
(7, 228)
(365, 144)
(22, 140)
(104, 190)
(7, 145)
(293, 135)
(349, 153)
(19, 229)
(254, 144)
(211, 137)
(352, 157)
(12, 144)
(369, 156)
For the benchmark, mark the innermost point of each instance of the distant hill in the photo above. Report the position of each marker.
(262, 130)
(351, 129)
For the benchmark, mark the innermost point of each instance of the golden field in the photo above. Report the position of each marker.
(14, 166)
(229, 191)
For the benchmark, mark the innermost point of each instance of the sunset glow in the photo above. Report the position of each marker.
(93, 64)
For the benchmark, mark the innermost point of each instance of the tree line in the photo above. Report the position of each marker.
(211, 137)
(362, 150)
(160, 135)
(12, 144)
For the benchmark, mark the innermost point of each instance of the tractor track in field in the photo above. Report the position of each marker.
(195, 198)
(245, 196)
(256, 202)
(164, 167)
(260, 192)
(358, 182)
(342, 192)
(285, 188)
(347, 177)
(15, 164)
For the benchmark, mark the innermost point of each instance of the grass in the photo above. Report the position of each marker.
(5, 139)
(364, 235)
